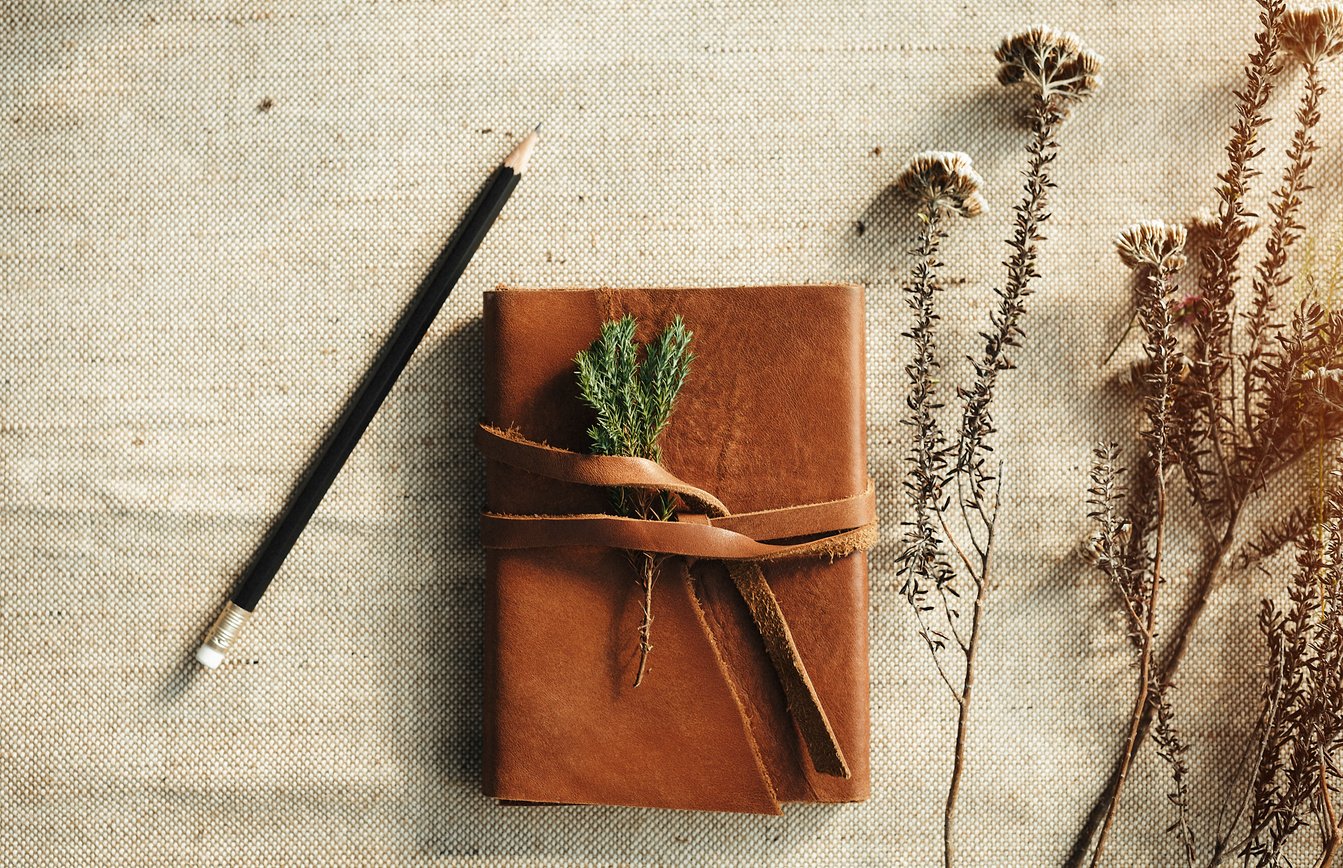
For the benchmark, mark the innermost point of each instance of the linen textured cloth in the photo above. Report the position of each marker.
(210, 217)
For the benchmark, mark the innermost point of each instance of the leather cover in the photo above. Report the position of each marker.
(772, 415)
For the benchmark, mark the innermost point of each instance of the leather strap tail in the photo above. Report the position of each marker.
(803, 703)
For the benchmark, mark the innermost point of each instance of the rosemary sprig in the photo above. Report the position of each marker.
(634, 400)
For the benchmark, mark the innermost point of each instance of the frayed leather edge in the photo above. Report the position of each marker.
(746, 719)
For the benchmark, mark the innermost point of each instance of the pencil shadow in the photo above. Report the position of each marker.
(178, 680)
(436, 671)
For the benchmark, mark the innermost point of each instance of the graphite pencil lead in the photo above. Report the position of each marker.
(522, 154)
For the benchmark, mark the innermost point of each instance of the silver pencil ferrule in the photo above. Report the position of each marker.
(221, 635)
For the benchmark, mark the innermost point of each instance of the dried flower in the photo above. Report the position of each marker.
(1152, 244)
(943, 180)
(1147, 247)
(1205, 227)
(1249, 400)
(1053, 60)
(946, 555)
(1312, 35)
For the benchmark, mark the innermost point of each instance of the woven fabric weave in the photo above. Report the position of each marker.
(212, 213)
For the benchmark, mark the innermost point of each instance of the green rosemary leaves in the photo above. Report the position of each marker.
(633, 400)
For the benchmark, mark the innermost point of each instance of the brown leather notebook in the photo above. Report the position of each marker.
(756, 691)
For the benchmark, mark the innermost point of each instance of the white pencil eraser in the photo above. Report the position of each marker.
(209, 657)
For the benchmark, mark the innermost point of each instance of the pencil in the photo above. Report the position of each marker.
(442, 277)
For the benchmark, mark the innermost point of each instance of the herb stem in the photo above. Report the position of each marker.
(1331, 846)
(1203, 589)
(1141, 707)
(963, 713)
(647, 575)
(1270, 713)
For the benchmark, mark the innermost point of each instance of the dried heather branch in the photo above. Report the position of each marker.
(1172, 750)
(1310, 36)
(1060, 73)
(1213, 422)
(1201, 420)
(940, 184)
(1156, 251)
(1302, 736)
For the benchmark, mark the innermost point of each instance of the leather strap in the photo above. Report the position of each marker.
(835, 528)
(685, 537)
(612, 471)
(615, 471)
(804, 705)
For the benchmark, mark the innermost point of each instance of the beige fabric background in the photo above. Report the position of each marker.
(190, 285)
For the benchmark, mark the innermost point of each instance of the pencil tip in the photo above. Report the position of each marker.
(536, 129)
(517, 161)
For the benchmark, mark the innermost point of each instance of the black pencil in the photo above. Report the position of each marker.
(364, 404)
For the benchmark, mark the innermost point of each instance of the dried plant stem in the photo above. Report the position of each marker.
(1143, 597)
(929, 471)
(1141, 719)
(1031, 213)
(1202, 593)
(1189, 618)
(1213, 335)
(1160, 348)
(924, 559)
(1059, 72)
(649, 506)
(1270, 712)
(1022, 269)
(1271, 276)
(648, 572)
(963, 715)
(1141, 707)
(1326, 797)
(928, 450)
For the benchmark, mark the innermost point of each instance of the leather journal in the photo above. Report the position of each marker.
(756, 690)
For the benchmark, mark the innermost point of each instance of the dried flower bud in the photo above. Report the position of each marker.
(1054, 61)
(1152, 244)
(1204, 227)
(1312, 35)
(943, 180)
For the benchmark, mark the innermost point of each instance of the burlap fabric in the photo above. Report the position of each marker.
(211, 214)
